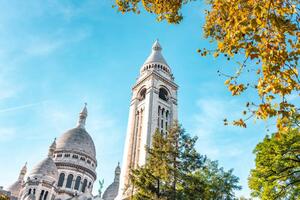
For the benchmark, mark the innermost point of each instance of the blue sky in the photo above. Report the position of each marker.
(55, 55)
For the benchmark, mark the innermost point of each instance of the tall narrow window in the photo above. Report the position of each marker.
(41, 195)
(46, 194)
(158, 110)
(167, 114)
(61, 180)
(69, 181)
(29, 191)
(77, 183)
(84, 185)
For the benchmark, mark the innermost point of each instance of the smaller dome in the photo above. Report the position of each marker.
(156, 55)
(15, 188)
(111, 191)
(46, 167)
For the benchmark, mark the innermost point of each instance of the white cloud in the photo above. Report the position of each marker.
(50, 43)
(43, 47)
(7, 87)
(210, 129)
(7, 134)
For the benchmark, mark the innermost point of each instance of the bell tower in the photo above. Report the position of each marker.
(153, 106)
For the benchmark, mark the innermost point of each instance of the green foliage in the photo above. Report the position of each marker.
(175, 170)
(266, 32)
(218, 184)
(277, 171)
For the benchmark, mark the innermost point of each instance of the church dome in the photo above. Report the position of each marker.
(46, 167)
(15, 188)
(156, 55)
(112, 190)
(77, 140)
(156, 61)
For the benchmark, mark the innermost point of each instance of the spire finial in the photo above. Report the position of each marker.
(52, 148)
(117, 173)
(82, 117)
(23, 172)
(156, 46)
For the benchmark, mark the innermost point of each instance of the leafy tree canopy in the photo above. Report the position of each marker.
(277, 171)
(174, 170)
(265, 31)
(3, 197)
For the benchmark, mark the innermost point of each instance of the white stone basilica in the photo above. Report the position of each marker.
(69, 170)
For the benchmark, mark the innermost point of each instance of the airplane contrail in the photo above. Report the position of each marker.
(21, 107)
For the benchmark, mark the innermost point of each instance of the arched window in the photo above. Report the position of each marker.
(61, 180)
(84, 185)
(46, 194)
(162, 113)
(29, 191)
(90, 183)
(163, 94)
(167, 114)
(143, 94)
(33, 191)
(69, 181)
(77, 183)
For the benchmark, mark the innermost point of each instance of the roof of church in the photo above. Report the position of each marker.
(46, 167)
(112, 190)
(15, 188)
(77, 139)
(156, 55)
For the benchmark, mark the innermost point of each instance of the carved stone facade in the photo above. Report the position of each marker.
(153, 107)
(68, 172)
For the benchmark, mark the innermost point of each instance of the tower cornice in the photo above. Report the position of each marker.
(157, 75)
